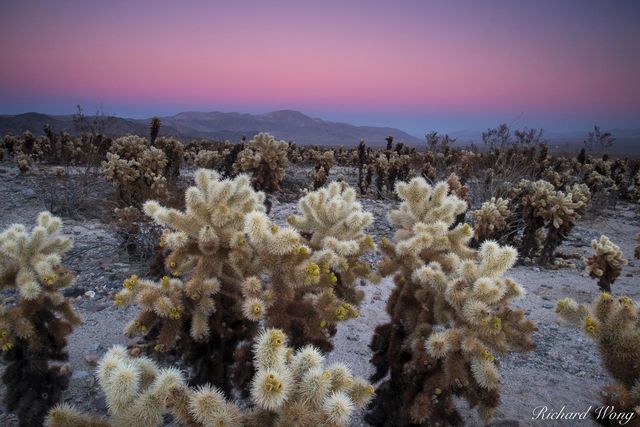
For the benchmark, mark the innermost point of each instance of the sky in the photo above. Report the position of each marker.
(418, 65)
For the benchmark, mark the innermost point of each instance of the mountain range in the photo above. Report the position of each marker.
(284, 124)
(289, 125)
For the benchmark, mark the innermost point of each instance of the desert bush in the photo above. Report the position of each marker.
(612, 323)
(450, 314)
(606, 263)
(289, 388)
(265, 158)
(35, 318)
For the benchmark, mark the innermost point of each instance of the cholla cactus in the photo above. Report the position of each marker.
(174, 153)
(541, 205)
(313, 280)
(613, 325)
(36, 319)
(606, 263)
(324, 161)
(136, 170)
(289, 388)
(208, 159)
(563, 212)
(199, 309)
(136, 392)
(265, 158)
(491, 220)
(450, 313)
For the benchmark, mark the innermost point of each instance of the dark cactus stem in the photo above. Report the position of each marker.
(555, 236)
(604, 285)
(155, 129)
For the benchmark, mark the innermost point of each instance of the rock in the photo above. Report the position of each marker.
(536, 269)
(96, 308)
(73, 292)
(547, 306)
(79, 375)
(91, 359)
(28, 192)
(90, 294)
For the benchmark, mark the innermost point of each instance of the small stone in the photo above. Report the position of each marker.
(536, 269)
(547, 306)
(91, 359)
(79, 375)
(90, 294)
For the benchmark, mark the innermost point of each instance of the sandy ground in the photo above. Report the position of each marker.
(563, 371)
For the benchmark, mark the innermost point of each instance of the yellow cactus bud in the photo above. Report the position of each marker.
(118, 300)
(274, 228)
(165, 281)
(341, 313)
(241, 241)
(291, 219)
(312, 269)
(333, 278)
(49, 279)
(157, 347)
(370, 389)
(277, 338)
(488, 356)
(256, 309)
(496, 323)
(303, 250)
(437, 391)
(175, 313)
(606, 296)
(7, 346)
(172, 264)
(323, 323)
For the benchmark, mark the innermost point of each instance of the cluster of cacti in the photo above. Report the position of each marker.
(323, 162)
(290, 387)
(136, 169)
(450, 314)
(606, 263)
(265, 158)
(221, 248)
(35, 317)
(612, 323)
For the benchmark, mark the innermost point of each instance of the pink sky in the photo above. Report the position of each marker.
(419, 63)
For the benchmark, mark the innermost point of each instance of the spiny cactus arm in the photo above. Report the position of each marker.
(331, 212)
(423, 203)
(35, 257)
(64, 415)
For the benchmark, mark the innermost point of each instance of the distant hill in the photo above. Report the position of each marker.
(284, 124)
